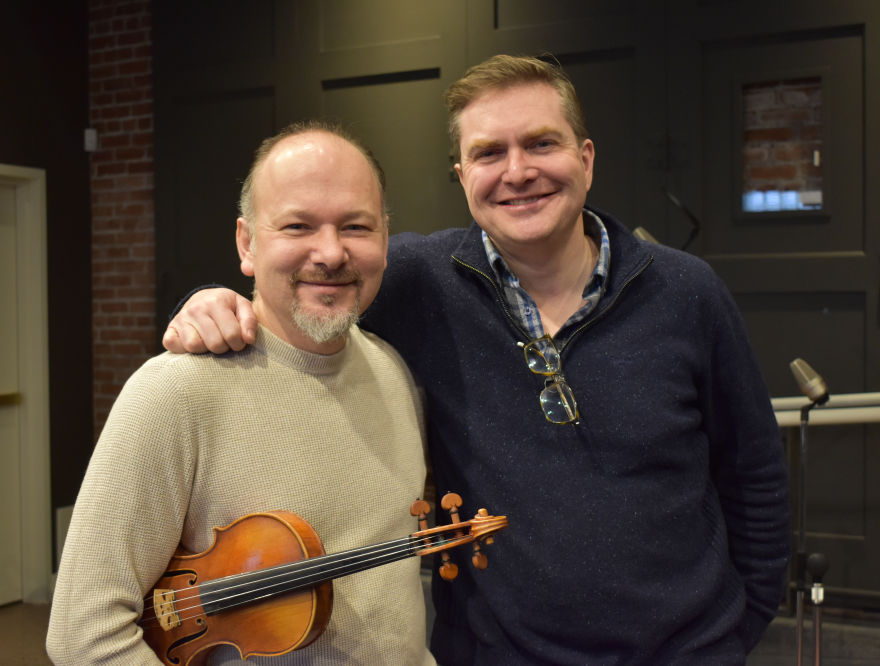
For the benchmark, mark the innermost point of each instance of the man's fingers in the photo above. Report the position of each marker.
(228, 329)
(181, 338)
(204, 334)
(194, 339)
(171, 341)
(195, 334)
(247, 320)
(208, 322)
(215, 320)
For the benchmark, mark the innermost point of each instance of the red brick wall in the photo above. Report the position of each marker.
(783, 126)
(123, 245)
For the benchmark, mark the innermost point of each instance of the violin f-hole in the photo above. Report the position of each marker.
(183, 641)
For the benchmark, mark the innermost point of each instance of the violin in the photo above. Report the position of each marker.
(266, 584)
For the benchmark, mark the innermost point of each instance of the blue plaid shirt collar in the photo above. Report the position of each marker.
(521, 305)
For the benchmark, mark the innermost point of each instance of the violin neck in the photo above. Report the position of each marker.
(222, 593)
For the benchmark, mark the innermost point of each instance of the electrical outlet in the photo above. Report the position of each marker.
(91, 140)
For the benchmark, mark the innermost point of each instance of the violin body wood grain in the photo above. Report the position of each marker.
(272, 627)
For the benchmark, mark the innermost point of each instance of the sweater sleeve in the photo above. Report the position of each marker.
(126, 525)
(748, 468)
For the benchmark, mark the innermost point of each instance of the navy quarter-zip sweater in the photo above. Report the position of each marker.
(655, 532)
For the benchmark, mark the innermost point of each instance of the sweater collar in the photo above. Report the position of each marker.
(471, 251)
(628, 254)
(276, 349)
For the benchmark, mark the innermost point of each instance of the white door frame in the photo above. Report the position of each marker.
(33, 373)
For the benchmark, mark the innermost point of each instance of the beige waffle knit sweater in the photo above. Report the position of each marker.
(198, 441)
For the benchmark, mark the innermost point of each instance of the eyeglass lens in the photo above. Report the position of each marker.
(558, 403)
(543, 358)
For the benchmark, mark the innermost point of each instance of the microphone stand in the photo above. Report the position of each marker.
(817, 565)
(801, 562)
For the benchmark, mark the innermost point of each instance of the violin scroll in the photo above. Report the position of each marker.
(479, 529)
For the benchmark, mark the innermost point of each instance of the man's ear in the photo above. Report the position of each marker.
(243, 242)
(588, 155)
(385, 233)
(457, 168)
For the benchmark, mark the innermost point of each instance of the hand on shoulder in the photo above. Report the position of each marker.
(214, 320)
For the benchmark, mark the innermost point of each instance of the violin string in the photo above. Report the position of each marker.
(283, 568)
(269, 594)
(301, 564)
(344, 563)
(400, 551)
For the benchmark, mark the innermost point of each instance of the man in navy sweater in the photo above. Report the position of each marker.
(597, 389)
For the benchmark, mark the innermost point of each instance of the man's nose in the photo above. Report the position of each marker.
(328, 249)
(519, 169)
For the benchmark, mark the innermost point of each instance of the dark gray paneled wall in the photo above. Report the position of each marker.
(227, 77)
(659, 81)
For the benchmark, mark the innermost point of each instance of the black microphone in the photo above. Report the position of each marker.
(810, 382)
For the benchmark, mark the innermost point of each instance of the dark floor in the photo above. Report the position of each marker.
(845, 642)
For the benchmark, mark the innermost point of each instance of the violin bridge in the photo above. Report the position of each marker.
(163, 606)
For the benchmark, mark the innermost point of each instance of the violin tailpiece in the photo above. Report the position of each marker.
(163, 606)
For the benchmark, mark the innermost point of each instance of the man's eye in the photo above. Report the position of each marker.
(544, 143)
(358, 226)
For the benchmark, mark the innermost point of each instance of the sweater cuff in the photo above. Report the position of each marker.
(183, 300)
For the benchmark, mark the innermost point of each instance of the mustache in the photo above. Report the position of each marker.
(322, 275)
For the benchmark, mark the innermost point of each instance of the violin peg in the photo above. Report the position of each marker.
(483, 513)
(479, 558)
(451, 502)
(448, 571)
(420, 508)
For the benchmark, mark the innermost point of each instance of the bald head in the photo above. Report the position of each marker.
(247, 204)
(315, 162)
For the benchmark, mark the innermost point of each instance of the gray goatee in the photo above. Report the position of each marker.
(329, 325)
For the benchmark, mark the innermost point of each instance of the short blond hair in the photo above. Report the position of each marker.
(503, 71)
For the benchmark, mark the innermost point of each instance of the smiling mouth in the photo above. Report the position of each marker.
(323, 279)
(522, 202)
(317, 283)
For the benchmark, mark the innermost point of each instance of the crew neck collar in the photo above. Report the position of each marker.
(316, 364)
